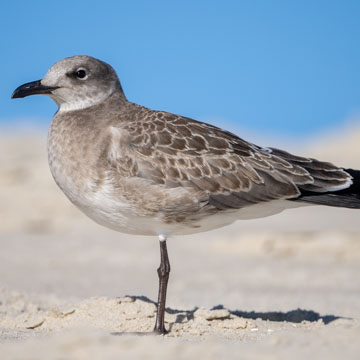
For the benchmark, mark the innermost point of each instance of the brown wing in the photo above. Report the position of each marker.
(326, 176)
(172, 151)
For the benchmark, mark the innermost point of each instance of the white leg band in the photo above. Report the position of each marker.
(162, 237)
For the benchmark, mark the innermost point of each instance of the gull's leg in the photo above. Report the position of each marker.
(163, 272)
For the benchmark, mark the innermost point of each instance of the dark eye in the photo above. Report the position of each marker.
(81, 74)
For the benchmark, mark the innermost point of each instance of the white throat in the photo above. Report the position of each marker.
(79, 103)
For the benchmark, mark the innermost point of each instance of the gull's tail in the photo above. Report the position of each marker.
(348, 198)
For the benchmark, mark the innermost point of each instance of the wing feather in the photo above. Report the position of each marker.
(172, 151)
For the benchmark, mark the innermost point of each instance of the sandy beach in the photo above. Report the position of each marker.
(286, 286)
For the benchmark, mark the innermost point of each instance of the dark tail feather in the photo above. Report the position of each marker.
(348, 198)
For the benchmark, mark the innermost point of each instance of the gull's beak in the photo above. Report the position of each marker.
(32, 88)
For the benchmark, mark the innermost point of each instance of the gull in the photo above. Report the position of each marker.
(146, 172)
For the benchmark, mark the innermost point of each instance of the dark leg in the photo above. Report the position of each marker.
(163, 272)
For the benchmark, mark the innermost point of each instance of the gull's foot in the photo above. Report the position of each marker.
(160, 331)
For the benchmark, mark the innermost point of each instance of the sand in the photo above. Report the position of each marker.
(282, 287)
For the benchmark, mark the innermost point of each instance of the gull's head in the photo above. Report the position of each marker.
(75, 83)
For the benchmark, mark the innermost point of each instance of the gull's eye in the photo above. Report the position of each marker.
(81, 74)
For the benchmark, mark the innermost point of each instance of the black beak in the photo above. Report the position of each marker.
(32, 88)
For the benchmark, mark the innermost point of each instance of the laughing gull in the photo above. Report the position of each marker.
(146, 172)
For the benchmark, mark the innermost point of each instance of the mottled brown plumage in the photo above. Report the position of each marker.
(173, 151)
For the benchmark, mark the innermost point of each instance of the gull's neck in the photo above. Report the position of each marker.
(87, 102)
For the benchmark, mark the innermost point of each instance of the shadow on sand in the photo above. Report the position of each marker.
(294, 316)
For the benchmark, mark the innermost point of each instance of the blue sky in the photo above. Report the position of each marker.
(291, 67)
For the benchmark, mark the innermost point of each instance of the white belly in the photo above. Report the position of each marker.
(119, 216)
